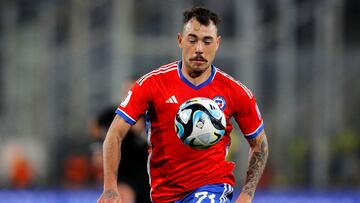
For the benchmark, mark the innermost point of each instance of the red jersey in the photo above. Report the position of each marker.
(174, 168)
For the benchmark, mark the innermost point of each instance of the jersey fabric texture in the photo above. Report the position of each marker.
(217, 193)
(174, 168)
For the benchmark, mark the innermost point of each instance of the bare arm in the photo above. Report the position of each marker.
(112, 156)
(257, 160)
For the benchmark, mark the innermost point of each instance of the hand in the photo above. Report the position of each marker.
(110, 196)
(244, 198)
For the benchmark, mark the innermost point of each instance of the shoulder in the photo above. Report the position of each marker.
(162, 71)
(235, 85)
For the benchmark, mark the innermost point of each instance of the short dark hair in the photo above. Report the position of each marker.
(203, 15)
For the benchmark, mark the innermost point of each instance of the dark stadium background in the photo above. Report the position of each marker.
(62, 62)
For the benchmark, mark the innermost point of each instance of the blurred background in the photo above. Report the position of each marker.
(63, 62)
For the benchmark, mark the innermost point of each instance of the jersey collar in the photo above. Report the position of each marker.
(196, 87)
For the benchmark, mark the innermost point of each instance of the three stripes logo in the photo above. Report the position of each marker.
(171, 100)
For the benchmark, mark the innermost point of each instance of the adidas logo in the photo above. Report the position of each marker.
(172, 100)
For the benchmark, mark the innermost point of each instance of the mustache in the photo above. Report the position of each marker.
(198, 58)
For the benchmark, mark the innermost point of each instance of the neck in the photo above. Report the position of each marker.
(194, 77)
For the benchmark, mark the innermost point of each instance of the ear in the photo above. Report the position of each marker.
(179, 40)
(218, 41)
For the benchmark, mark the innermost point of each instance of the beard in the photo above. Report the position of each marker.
(195, 71)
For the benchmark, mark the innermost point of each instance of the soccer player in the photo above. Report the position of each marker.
(179, 173)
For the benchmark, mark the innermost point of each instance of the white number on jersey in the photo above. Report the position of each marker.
(202, 195)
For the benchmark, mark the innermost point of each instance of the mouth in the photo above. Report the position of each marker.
(199, 60)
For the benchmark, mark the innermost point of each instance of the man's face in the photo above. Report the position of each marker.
(199, 44)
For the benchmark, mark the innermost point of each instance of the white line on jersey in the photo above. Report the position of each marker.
(156, 70)
(174, 99)
(157, 73)
(239, 83)
(162, 68)
(171, 100)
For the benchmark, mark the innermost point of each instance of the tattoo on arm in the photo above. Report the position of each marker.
(110, 194)
(257, 164)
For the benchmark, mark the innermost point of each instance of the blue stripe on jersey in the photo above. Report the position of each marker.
(196, 87)
(126, 117)
(256, 133)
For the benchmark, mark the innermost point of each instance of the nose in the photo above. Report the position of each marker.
(199, 49)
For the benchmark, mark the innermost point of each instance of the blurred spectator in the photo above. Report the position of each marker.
(345, 167)
(75, 171)
(132, 177)
(20, 169)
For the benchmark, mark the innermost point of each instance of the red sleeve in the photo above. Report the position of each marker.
(134, 106)
(247, 114)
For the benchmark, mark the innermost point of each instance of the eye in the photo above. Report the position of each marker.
(192, 40)
(208, 41)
